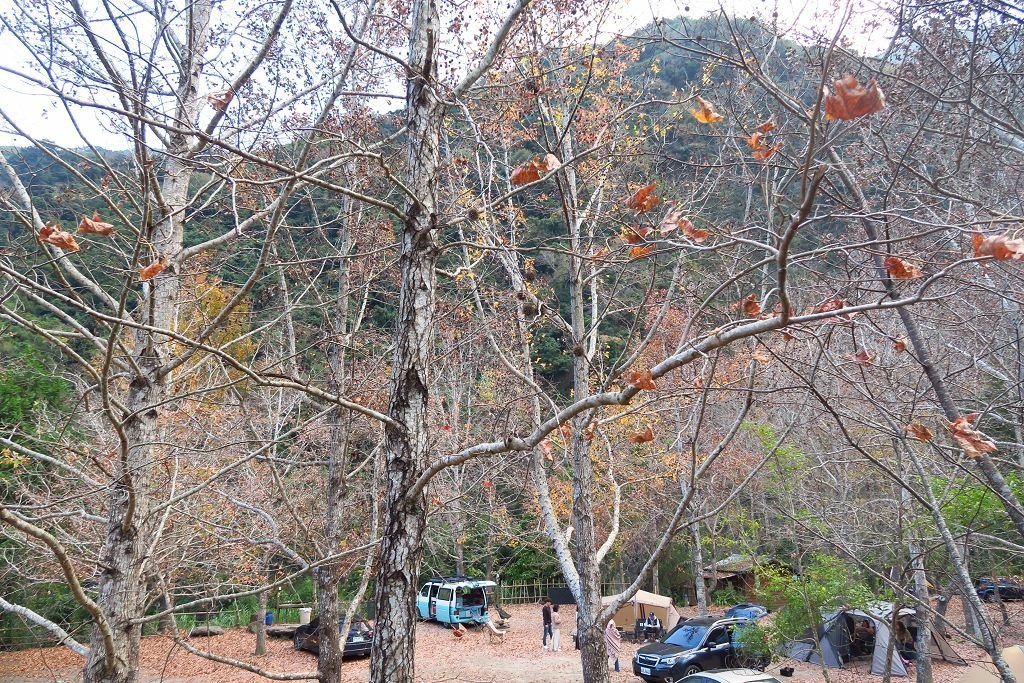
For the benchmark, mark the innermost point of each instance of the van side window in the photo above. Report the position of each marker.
(426, 590)
(444, 595)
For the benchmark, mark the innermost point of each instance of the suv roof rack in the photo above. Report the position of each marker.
(451, 579)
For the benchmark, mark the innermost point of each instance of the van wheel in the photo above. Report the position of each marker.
(691, 669)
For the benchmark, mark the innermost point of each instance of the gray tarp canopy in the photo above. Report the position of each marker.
(835, 640)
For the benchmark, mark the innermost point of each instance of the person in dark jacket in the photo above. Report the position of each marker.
(545, 614)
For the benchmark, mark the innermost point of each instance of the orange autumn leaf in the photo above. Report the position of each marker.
(94, 225)
(786, 336)
(766, 152)
(767, 126)
(634, 234)
(642, 437)
(640, 252)
(862, 358)
(220, 100)
(755, 142)
(692, 232)
(528, 172)
(706, 112)
(971, 440)
(899, 269)
(588, 431)
(641, 379)
(852, 100)
(675, 221)
(547, 449)
(52, 234)
(603, 251)
(919, 431)
(153, 269)
(749, 305)
(900, 345)
(565, 430)
(999, 247)
(833, 305)
(644, 199)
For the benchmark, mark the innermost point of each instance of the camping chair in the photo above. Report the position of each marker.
(503, 623)
(494, 632)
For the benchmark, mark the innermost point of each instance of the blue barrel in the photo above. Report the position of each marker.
(269, 621)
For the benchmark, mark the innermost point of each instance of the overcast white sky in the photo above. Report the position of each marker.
(40, 115)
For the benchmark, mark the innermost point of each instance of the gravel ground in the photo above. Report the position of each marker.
(439, 657)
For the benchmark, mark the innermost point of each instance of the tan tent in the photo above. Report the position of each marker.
(642, 604)
(985, 672)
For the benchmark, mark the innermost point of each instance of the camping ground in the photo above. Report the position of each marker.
(439, 657)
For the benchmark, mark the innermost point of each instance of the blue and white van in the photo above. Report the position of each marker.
(455, 600)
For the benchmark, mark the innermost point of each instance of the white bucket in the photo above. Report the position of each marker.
(304, 614)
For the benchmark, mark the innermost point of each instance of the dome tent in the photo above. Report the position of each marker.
(835, 640)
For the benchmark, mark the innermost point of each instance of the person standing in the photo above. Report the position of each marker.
(612, 642)
(556, 620)
(545, 614)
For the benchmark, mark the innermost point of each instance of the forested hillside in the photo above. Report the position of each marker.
(568, 305)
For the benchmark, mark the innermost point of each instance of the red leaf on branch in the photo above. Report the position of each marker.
(528, 172)
(635, 234)
(641, 379)
(644, 199)
(862, 358)
(971, 440)
(852, 100)
(52, 234)
(220, 100)
(999, 247)
(642, 437)
(94, 225)
(749, 305)
(899, 269)
(547, 449)
(765, 152)
(640, 252)
(900, 345)
(588, 431)
(919, 431)
(153, 269)
(767, 126)
(706, 112)
(565, 430)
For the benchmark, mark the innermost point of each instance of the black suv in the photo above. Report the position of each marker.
(360, 637)
(1008, 589)
(695, 645)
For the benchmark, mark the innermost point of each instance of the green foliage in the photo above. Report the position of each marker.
(825, 584)
(724, 597)
(753, 645)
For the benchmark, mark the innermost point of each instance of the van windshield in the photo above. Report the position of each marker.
(687, 637)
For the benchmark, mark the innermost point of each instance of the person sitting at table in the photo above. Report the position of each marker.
(652, 626)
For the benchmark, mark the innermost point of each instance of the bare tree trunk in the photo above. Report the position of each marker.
(131, 527)
(261, 626)
(698, 571)
(971, 600)
(923, 640)
(406, 438)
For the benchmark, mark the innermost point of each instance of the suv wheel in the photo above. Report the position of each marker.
(691, 669)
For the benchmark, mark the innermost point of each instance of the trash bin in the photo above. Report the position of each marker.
(304, 614)
(269, 621)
